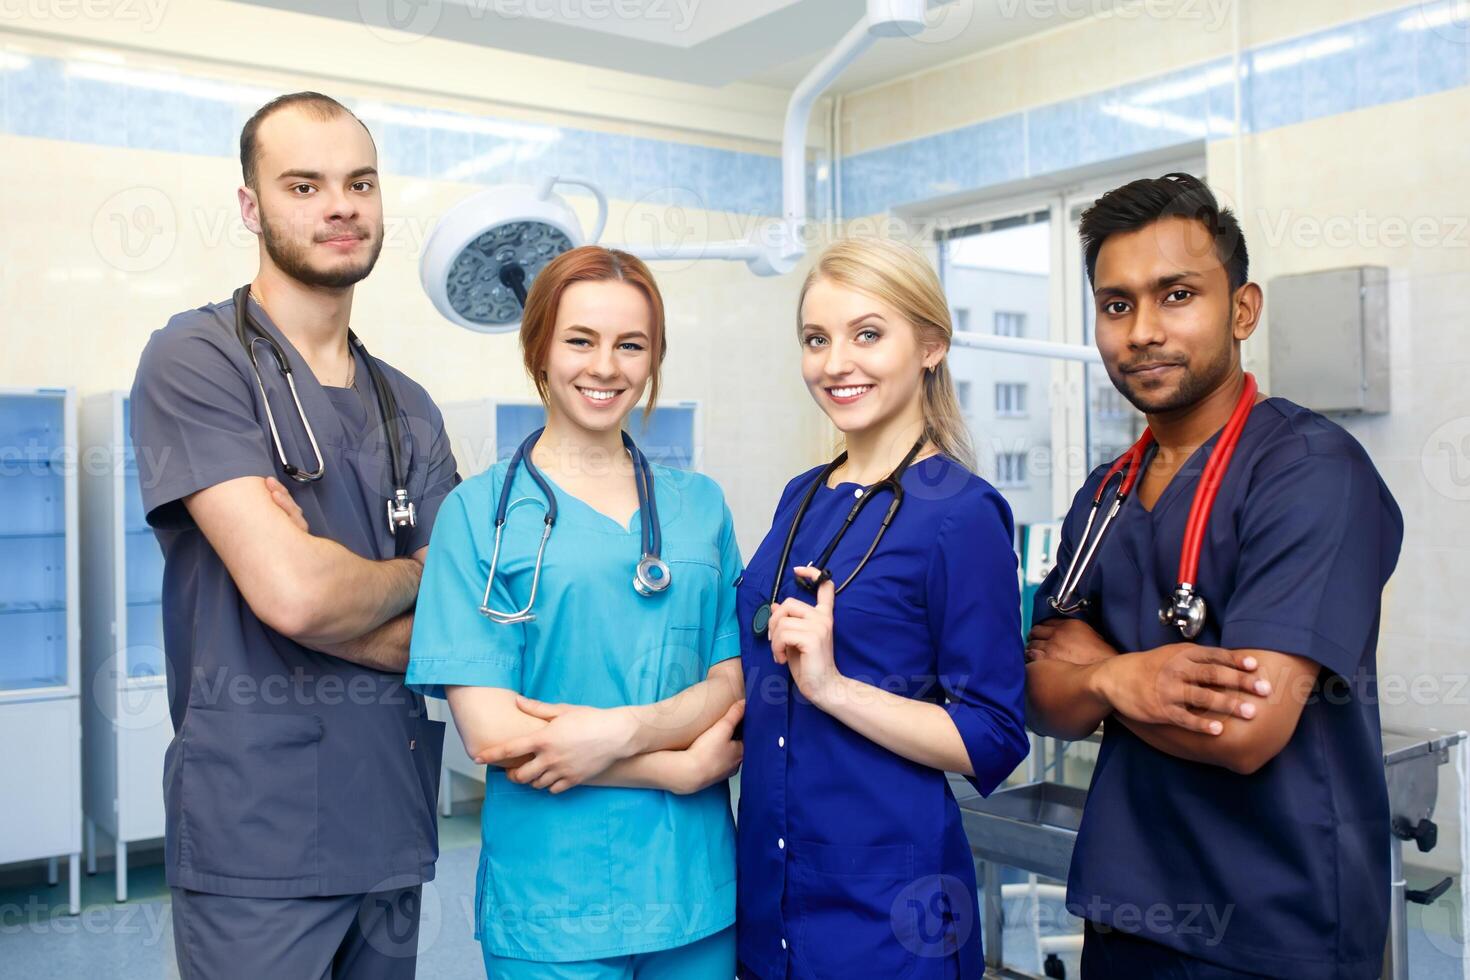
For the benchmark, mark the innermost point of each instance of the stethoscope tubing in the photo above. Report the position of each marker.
(388, 412)
(651, 574)
(1129, 468)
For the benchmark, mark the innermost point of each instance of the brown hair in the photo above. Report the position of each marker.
(590, 263)
(319, 106)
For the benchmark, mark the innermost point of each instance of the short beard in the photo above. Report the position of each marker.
(1194, 386)
(292, 259)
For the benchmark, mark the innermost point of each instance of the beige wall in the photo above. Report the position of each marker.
(76, 308)
(1142, 40)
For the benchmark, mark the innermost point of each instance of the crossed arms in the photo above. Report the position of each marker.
(308, 588)
(1231, 708)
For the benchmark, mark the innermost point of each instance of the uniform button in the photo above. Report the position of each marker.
(858, 492)
(780, 741)
(783, 944)
(781, 843)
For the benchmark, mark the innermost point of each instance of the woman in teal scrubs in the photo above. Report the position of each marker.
(606, 721)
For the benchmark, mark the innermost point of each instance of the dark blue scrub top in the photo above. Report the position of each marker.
(1283, 872)
(852, 861)
(291, 772)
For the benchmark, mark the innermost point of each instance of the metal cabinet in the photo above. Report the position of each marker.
(39, 632)
(125, 720)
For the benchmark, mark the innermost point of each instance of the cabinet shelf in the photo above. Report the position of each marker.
(7, 608)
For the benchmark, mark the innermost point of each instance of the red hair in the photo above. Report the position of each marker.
(590, 263)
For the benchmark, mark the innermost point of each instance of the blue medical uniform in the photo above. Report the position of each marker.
(595, 872)
(1284, 872)
(292, 774)
(853, 860)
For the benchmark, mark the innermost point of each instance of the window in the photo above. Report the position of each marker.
(1010, 400)
(962, 318)
(1109, 404)
(1005, 264)
(1010, 324)
(1010, 469)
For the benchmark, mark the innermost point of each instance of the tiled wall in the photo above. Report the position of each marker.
(1417, 50)
(111, 105)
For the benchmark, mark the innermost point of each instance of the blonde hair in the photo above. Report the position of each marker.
(899, 276)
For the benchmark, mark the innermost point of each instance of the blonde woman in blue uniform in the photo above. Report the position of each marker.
(885, 642)
(599, 683)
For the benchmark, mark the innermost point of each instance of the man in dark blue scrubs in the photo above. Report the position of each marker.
(301, 781)
(1237, 823)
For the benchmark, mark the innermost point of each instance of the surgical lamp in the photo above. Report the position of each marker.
(481, 257)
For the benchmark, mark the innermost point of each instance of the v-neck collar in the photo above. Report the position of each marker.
(315, 402)
(1190, 472)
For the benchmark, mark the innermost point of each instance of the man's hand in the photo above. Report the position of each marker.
(716, 755)
(1071, 641)
(801, 638)
(577, 744)
(283, 499)
(1176, 683)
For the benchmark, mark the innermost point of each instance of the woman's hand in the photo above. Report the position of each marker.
(283, 499)
(715, 755)
(577, 744)
(801, 638)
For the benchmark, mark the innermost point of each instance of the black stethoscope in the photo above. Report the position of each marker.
(1183, 608)
(762, 617)
(401, 511)
(650, 575)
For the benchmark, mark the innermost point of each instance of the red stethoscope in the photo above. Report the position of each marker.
(1183, 609)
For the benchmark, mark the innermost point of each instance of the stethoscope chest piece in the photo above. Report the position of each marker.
(1184, 609)
(761, 619)
(651, 576)
(402, 512)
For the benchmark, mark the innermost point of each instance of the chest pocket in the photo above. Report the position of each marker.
(694, 572)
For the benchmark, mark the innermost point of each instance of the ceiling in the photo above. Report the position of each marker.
(706, 42)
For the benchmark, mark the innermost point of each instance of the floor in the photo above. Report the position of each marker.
(134, 941)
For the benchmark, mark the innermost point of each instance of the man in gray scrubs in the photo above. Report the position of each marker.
(301, 781)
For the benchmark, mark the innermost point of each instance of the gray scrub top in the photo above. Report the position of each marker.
(291, 772)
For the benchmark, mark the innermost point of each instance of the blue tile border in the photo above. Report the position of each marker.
(1413, 51)
(107, 105)
(1416, 50)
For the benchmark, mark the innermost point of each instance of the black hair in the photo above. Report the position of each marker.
(1143, 202)
(322, 107)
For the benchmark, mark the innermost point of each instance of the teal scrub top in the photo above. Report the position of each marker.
(595, 871)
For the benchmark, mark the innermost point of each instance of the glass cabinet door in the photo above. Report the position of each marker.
(143, 571)
(667, 438)
(33, 620)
